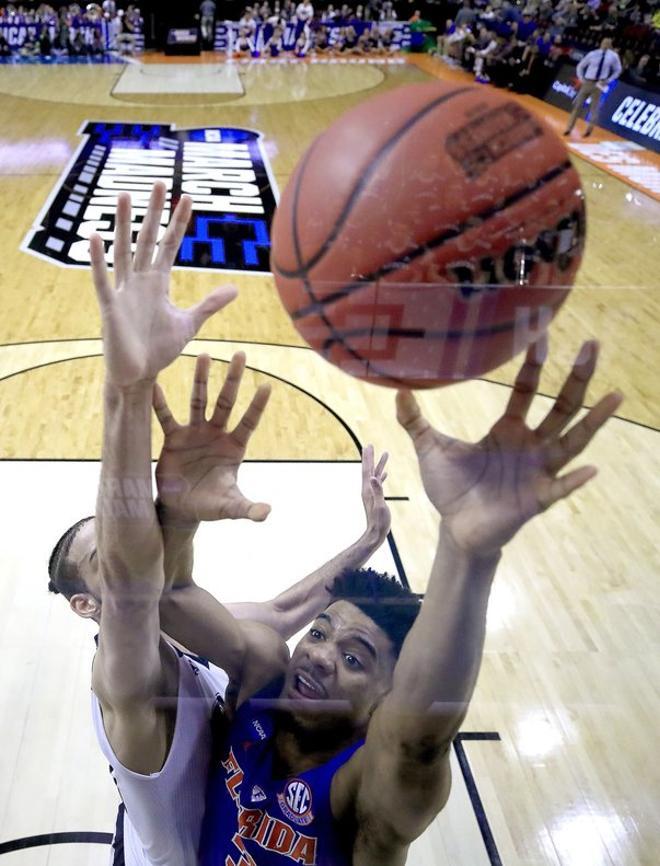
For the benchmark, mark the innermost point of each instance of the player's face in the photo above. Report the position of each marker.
(340, 669)
(82, 554)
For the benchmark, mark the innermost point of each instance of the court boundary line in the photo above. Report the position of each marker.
(546, 396)
(473, 792)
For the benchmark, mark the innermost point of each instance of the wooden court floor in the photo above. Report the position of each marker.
(570, 680)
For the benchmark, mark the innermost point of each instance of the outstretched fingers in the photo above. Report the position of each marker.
(148, 236)
(378, 471)
(418, 428)
(104, 290)
(162, 410)
(527, 381)
(210, 305)
(198, 394)
(250, 420)
(229, 391)
(242, 508)
(123, 239)
(578, 437)
(367, 463)
(571, 396)
(560, 488)
(169, 245)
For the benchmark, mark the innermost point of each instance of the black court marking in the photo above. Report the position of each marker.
(55, 839)
(16, 373)
(445, 236)
(475, 799)
(106, 838)
(359, 186)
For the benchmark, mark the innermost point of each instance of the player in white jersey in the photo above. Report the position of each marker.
(160, 814)
(159, 749)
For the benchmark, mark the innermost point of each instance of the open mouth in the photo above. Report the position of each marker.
(307, 687)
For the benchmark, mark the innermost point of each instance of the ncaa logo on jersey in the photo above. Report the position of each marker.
(296, 802)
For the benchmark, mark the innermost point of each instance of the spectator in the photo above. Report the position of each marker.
(466, 15)
(45, 45)
(458, 43)
(244, 45)
(526, 27)
(482, 55)
(96, 47)
(322, 40)
(207, 21)
(247, 23)
(503, 65)
(273, 46)
(304, 12)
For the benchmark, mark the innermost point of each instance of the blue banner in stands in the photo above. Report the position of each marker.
(633, 113)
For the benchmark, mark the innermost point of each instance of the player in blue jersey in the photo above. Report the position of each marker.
(152, 704)
(346, 762)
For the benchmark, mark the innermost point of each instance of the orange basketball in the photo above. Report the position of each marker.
(429, 235)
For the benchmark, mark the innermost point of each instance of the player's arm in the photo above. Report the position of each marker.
(142, 333)
(196, 477)
(293, 609)
(484, 494)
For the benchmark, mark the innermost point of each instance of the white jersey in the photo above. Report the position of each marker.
(163, 811)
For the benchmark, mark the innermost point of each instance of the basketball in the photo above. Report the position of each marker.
(429, 235)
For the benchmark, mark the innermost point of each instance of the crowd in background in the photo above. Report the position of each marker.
(336, 30)
(513, 44)
(520, 47)
(72, 29)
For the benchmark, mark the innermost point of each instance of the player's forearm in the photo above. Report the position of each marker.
(196, 619)
(127, 531)
(439, 663)
(298, 605)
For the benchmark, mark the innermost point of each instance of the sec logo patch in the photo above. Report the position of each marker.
(296, 802)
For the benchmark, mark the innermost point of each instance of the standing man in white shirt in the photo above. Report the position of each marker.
(595, 71)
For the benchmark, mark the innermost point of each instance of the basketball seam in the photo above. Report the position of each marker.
(361, 183)
(296, 246)
(434, 243)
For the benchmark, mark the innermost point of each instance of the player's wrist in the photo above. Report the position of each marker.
(468, 549)
(171, 517)
(138, 388)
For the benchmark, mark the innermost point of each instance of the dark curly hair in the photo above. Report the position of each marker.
(382, 598)
(63, 576)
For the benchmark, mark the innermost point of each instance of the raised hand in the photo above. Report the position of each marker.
(197, 469)
(486, 491)
(143, 332)
(376, 509)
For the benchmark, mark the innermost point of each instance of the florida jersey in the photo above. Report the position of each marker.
(254, 819)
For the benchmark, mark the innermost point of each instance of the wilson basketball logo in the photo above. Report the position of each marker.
(296, 802)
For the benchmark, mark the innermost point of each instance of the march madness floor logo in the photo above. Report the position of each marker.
(224, 170)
